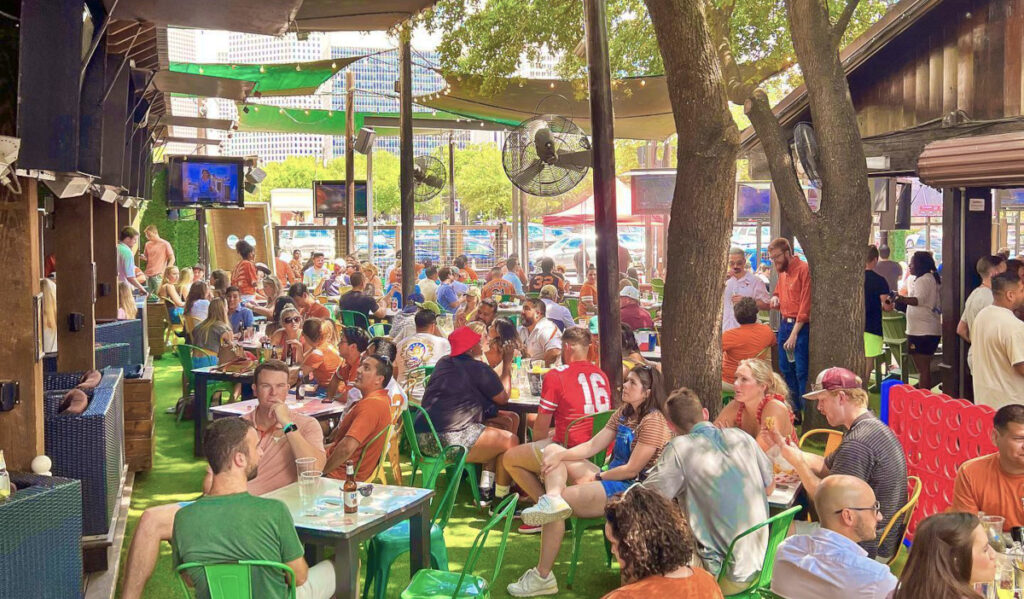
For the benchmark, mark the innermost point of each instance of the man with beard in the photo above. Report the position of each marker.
(363, 421)
(228, 524)
(792, 298)
(740, 284)
(283, 437)
(540, 337)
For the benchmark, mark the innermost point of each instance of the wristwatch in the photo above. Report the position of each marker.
(291, 426)
(597, 476)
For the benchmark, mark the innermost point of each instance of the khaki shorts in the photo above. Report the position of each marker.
(538, 448)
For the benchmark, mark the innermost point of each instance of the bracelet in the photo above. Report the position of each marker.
(290, 427)
(597, 476)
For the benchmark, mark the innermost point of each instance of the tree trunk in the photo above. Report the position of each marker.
(702, 205)
(835, 238)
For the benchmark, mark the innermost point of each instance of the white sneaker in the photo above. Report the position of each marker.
(548, 509)
(530, 584)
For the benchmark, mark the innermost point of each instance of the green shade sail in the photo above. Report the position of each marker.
(282, 79)
(273, 119)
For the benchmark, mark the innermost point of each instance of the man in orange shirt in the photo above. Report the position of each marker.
(351, 345)
(749, 340)
(362, 422)
(284, 272)
(466, 272)
(158, 255)
(496, 285)
(792, 298)
(588, 294)
(306, 303)
(993, 483)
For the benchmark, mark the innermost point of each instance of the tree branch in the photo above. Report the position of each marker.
(844, 21)
(787, 187)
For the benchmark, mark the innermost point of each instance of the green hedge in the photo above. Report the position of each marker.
(183, 235)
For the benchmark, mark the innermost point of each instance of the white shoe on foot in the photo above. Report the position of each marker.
(531, 584)
(548, 509)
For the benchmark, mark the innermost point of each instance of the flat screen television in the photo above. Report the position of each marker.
(329, 198)
(753, 200)
(205, 182)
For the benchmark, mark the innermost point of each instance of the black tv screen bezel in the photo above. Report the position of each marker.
(174, 192)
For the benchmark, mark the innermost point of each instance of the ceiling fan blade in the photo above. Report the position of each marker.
(523, 177)
(578, 160)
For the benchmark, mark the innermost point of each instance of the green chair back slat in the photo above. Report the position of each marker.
(580, 525)
(598, 421)
(658, 285)
(351, 318)
(383, 451)
(778, 527)
(234, 580)
(894, 335)
(380, 329)
(573, 304)
(533, 294)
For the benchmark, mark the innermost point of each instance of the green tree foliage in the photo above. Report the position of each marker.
(183, 235)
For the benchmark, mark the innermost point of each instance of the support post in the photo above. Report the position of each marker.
(21, 429)
(76, 283)
(515, 222)
(350, 160)
(369, 204)
(605, 218)
(451, 195)
(104, 250)
(524, 233)
(406, 163)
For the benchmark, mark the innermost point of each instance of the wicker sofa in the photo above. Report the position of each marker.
(131, 332)
(88, 446)
(40, 547)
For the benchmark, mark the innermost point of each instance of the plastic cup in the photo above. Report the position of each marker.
(791, 356)
(304, 465)
(309, 484)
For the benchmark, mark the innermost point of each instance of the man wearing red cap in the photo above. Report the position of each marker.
(869, 451)
(463, 392)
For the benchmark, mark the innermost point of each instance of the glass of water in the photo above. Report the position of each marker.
(309, 485)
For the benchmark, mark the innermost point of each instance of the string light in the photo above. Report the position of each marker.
(298, 67)
(334, 65)
(306, 112)
(200, 70)
(330, 113)
(263, 69)
(643, 82)
(552, 85)
(280, 111)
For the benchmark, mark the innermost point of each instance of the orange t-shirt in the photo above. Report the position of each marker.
(284, 272)
(244, 277)
(158, 253)
(322, 362)
(700, 585)
(362, 421)
(982, 486)
(467, 274)
(497, 286)
(745, 341)
(585, 290)
(316, 310)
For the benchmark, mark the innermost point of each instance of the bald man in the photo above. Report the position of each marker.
(829, 562)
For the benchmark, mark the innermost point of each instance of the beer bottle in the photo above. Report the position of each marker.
(351, 490)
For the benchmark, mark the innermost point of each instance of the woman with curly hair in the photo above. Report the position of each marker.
(950, 555)
(652, 542)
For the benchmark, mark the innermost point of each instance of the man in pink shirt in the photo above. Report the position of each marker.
(158, 255)
(284, 436)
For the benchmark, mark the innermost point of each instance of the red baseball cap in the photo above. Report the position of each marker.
(832, 379)
(461, 339)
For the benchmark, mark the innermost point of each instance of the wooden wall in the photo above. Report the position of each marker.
(964, 55)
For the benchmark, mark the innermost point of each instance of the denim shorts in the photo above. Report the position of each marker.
(614, 487)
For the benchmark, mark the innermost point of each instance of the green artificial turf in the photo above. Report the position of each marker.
(177, 476)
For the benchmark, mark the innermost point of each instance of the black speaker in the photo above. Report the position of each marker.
(903, 204)
(49, 66)
(115, 113)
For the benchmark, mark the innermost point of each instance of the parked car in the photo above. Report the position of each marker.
(564, 250)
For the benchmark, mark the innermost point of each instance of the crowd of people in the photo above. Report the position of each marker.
(675, 484)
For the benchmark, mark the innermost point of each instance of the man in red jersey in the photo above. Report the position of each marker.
(575, 389)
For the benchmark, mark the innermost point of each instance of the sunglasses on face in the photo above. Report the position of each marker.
(293, 320)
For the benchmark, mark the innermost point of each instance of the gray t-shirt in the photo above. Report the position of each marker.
(719, 478)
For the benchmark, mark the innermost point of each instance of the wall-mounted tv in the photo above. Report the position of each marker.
(330, 199)
(205, 182)
(753, 200)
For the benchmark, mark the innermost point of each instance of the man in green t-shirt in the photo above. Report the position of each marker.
(228, 524)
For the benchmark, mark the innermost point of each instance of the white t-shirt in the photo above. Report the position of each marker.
(428, 287)
(748, 286)
(924, 318)
(978, 300)
(421, 349)
(545, 336)
(997, 343)
(200, 309)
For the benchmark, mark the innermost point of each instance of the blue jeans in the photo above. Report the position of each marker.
(795, 373)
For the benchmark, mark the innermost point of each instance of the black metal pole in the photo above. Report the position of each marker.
(605, 220)
(406, 164)
(350, 161)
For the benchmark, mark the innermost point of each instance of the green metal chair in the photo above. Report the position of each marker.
(380, 329)
(505, 298)
(417, 377)
(658, 285)
(533, 294)
(778, 526)
(573, 304)
(433, 584)
(421, 461)
(768, 594)
(378, 471)
(389, 545)
(234, 580)
(894, 335)
(580, 525)
(351, 318)
(188, 379)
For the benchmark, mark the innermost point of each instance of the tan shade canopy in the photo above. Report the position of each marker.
(641, 104)
(198, 141)
(356, 15)
(202, 85)
(981, 161)
(168, 120)
(269, 17)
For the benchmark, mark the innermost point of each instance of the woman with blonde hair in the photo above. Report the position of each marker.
(168, 292)
(271, 291)
(185, 282)
(214, 335)
(126, 309)
(761, 403)
(289, 330)
(49, 315)
(373, 285)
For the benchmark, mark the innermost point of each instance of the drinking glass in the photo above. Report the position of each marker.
(309, 483)
(304, 465)
(994, 529)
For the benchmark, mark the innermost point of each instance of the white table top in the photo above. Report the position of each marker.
(787, 486)
(331, 517)
(654, 355)
(313, 407)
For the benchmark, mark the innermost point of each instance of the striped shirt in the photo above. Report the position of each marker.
(871, 452)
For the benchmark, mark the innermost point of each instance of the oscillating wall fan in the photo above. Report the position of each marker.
(546, 155)
(428, 173)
